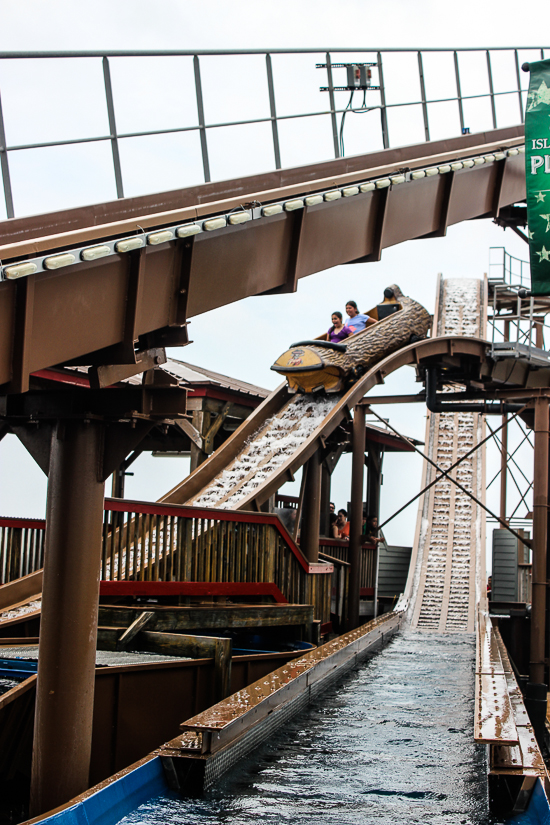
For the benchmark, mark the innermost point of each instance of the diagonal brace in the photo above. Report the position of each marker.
(454, 481)
(450, 469)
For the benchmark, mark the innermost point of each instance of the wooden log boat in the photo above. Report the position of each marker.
(321, 366)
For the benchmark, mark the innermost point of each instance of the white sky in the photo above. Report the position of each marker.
(245, 338)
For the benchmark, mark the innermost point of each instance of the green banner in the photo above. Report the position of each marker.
(537, 175)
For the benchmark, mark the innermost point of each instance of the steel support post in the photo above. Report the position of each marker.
(325, 501)
(309, 536)
(356, 516)
(504, 448)
(540, 513)
(503, 467)
(65, 686)
(374, 479)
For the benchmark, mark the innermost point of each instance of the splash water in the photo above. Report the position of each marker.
(390, 745)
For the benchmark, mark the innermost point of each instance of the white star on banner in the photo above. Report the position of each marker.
(544, 255)
(538, 96)
(540, 197)
(530, 234)
(547, 219)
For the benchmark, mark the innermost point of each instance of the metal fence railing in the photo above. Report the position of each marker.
(517, 320)
(508, 269)
(405, 82)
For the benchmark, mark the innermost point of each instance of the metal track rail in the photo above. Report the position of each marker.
(253, 429)
(91, 285)
(447, 568)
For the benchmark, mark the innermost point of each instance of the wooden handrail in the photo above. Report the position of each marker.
(240, 516)
(29, 523)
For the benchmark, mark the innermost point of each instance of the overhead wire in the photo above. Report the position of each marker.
(362, 109)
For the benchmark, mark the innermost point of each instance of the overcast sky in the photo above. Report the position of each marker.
(245, 338)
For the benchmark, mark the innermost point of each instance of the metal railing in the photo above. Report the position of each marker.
(517, 319)
(508, 269)
(386, 98)
(21, 547)
(147, 542)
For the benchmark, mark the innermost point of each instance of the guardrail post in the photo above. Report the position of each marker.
(112, 127)
(273, 111)
(383, 110)
(200, 113)
(423, 96)
(332, 107)
(65, 687)
(518, 78)
(356, 516)
(4, 164)
(491, 89)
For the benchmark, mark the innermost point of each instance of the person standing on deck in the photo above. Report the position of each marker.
(372, 534)
(342, 525)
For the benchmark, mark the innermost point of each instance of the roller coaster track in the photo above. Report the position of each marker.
(107, 283)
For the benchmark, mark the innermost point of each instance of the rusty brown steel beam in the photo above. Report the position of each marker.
(134, 209)
(72, 560)
(540, 537)
(90, 310)
(356, 516)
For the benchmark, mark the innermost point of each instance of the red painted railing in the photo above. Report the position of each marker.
(164, 542)
(150, 542)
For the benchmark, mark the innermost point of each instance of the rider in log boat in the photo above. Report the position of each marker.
(320, 365)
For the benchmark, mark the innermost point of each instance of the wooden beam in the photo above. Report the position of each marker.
(172, 619)
(185, 426)
(137, 625)
(208, 438)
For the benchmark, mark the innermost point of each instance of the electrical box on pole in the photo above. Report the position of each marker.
(359, 76)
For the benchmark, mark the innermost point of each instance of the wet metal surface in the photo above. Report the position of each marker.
(106, 658)
(391, 744)
(494, 718)
(275, 686)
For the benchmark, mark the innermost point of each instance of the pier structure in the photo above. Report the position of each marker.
(108, 288)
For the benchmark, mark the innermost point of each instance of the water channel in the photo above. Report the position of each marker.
(392, 744)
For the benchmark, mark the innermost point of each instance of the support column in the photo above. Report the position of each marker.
(540, 513)
(309, 536)
(119, 478)
(65, 687)
(201, 422)
(504, 449)
(503, 467)
(356, 516)
(374, 479)
(325, 500)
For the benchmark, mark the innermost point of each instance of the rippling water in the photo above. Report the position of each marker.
(7, 684)
(391, 745)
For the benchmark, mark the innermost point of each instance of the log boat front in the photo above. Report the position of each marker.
(321, 366)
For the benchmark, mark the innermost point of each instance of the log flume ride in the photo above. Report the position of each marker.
(314, 366)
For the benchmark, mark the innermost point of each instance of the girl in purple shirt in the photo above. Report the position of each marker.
(338, 330)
